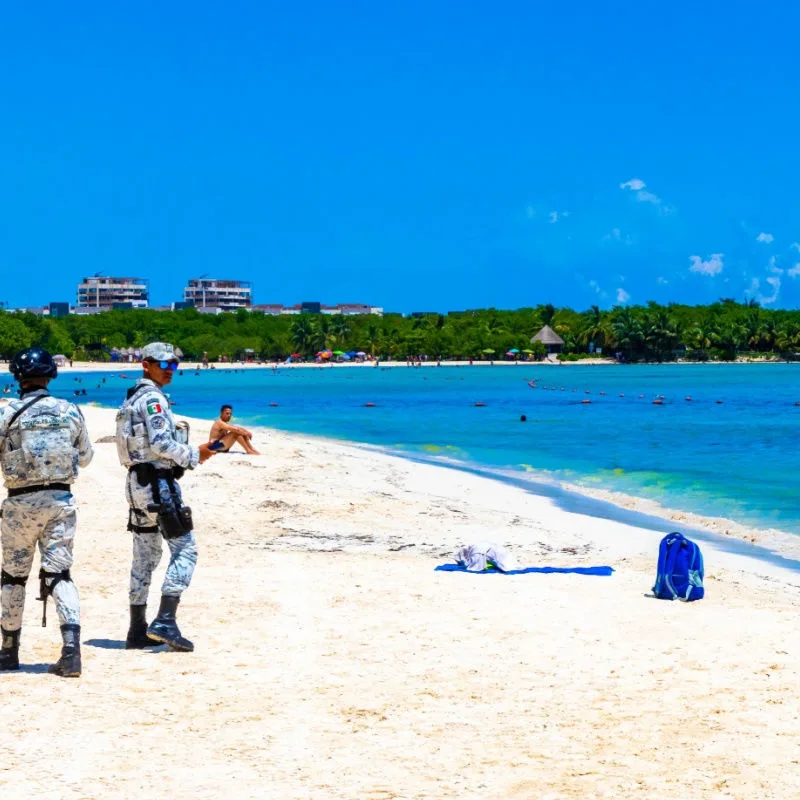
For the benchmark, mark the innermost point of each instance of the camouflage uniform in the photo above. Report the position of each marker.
(146, 434)
(44, 445)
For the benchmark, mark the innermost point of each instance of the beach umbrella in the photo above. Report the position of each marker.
(527, 350)
(488, 351)
(510, 353)
(513, 350)
(338, 352)
(297, 355)
(360, 353)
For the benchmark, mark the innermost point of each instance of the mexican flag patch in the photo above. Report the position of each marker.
(154, 407)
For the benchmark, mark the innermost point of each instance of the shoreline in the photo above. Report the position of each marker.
(127, 367)
(769, 545)
(619, 505)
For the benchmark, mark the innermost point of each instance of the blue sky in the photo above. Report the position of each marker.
(417, 155)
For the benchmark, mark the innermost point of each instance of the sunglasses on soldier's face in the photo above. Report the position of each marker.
(173, 365)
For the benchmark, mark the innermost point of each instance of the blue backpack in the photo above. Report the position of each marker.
(680, 569)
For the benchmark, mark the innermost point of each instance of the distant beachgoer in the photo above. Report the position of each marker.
(229, 435)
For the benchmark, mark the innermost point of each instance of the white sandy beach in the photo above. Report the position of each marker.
(332, 661)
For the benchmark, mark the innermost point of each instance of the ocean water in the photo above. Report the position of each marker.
(736, 458)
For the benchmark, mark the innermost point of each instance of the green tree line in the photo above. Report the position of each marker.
(652, 332)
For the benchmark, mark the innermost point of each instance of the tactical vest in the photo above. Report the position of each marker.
(38, 446)
(133, 444)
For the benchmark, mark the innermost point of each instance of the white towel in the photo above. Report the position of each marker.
(475, 556)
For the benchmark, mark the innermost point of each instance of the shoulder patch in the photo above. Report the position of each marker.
(154, 407)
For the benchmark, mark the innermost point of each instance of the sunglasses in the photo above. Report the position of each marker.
(172, 365)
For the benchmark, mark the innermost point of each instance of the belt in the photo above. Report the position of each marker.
(43, 487)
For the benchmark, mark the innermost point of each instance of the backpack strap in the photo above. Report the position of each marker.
(674, 545)
(16, 415)
(20, 411)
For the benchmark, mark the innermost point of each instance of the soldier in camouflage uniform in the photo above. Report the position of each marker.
(156, 453)
(43, 440)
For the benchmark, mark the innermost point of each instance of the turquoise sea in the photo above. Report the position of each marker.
(736, 458)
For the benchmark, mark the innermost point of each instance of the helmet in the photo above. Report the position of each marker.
(33, 363)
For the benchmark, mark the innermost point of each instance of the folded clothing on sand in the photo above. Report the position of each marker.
(477, 557)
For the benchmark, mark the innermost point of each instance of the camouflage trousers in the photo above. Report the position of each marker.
(46, 519)
(147, 547)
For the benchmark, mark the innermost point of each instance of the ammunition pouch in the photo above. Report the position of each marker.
(174, 518)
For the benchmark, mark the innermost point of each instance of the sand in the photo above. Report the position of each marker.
(333, 661)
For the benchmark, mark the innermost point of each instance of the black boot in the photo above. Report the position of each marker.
(69, 665)
(9, 655)
(164, 628)
(137, 633)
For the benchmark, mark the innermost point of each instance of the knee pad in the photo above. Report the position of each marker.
(11, 580)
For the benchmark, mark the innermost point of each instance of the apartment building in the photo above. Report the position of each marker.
(212, 293)
(102, 293)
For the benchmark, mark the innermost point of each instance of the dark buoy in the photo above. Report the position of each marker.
(622, 395)
(719, 402)
(369, 405)
(480, 405)
(688, 399)
(273, 405)
(523, 418)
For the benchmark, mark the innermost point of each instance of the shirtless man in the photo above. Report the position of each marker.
(229, 435)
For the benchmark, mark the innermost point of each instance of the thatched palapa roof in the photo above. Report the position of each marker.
(547, 336)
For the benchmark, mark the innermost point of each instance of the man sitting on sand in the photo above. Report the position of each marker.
(228, 434)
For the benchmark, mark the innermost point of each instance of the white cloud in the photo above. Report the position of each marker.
(616, 235)
(555, 216)
(773, 267)
(713, 266)
(634, 184)
(648, 197)
(755, 290)
(796, 246)
(637, 186)
(794, 271)
(622, 296)
(765, 238)
(530, 211)
(775, 283)
(661, 281)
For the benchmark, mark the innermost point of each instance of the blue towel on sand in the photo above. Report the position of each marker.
(604, 571)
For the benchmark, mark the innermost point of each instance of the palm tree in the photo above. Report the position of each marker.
(339, 329)
(594, 328)
(302, 333)
(660, 333)
(628, 332)
(701, 337)
(547, 313)
(730, 338)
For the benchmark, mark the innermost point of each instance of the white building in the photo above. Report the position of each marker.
(104, 293)
(213, 293)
